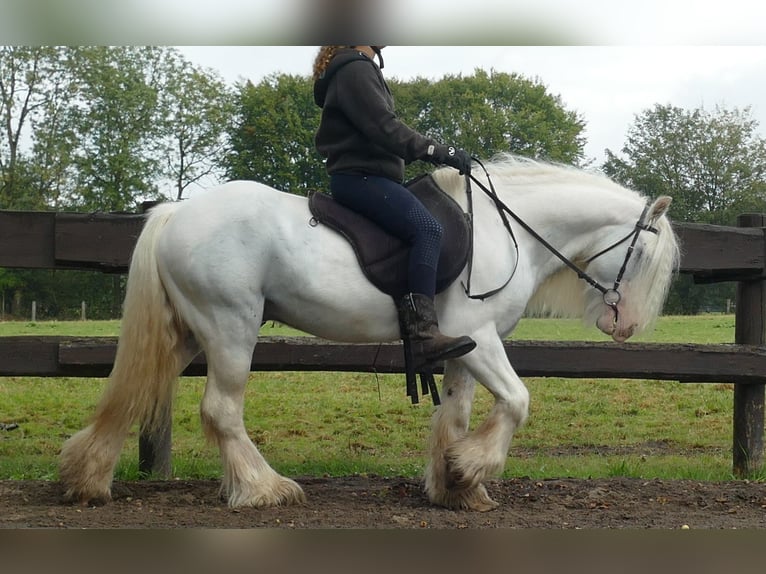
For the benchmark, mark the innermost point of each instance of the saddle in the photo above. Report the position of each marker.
(382, 257)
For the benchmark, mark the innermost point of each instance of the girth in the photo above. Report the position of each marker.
(383, 257)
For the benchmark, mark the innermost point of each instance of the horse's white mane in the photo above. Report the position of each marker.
(523, 174)
(563, 294)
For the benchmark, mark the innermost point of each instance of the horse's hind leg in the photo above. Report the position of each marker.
(88, 458)
(248, 479)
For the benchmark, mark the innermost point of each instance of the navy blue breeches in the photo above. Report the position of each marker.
(395, 209)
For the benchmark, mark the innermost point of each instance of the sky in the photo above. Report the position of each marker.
(607, 86)
(607, 60)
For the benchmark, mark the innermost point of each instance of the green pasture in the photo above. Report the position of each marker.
(314, 424)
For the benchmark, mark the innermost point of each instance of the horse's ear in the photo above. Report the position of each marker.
(659, 207)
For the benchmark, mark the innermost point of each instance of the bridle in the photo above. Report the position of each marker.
(611, 295)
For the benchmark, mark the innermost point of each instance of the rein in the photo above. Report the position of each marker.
(611, 295)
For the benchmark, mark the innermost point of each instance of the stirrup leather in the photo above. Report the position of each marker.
(427, 382)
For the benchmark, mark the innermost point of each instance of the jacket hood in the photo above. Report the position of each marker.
(341, 59)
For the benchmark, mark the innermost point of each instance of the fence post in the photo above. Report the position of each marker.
(750, 329)
(154, 448)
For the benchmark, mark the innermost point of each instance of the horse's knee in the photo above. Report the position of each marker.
(519, 406)
(514, 406)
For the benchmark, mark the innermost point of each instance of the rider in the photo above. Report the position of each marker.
(366, 147)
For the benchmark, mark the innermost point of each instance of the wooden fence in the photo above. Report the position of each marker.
(710, 253)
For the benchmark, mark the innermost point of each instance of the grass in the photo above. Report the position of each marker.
(313, 424)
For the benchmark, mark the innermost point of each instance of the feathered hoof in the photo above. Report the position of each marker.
(86, 489)
(462, 476)
(466, 467)
(85, 497)
(85, 472)
(283, 492)
(476, 499)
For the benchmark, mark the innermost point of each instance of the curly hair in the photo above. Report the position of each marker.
(322, 60)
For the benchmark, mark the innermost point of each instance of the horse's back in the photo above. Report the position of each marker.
(236, 207)
(240, 199)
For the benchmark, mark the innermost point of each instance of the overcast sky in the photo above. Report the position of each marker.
(607, 60)
(606, 85)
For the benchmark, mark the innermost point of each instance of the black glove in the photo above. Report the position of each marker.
(453, 157)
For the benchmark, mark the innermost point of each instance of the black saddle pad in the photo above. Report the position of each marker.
(383, 258)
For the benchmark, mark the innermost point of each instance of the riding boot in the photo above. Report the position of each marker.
(418, 323)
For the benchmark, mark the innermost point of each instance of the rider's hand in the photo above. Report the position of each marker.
(451, 156)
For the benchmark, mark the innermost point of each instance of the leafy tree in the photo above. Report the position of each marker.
(97, 128)
(488, 113)
(713, 164)
(273, 138)
(33, 88)
(117, 121)
(200, 110)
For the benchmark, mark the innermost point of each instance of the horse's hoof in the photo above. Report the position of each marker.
(484, 505)
(82, 499)
(290, 492)
(285, 492)
(475, 499)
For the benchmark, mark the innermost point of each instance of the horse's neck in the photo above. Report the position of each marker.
(577, 213)
(572, 219)
(557, 202)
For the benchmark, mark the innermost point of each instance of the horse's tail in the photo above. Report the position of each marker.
(149, 353)
(142, 382)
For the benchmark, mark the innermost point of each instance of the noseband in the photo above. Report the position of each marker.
(611, 295)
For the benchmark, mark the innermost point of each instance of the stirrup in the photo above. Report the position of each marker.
(427, 382)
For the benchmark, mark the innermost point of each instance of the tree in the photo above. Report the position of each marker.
(98, 128)
(488, 113)
(117, 121)
(200, 110)
(34, 86)
(713, 164)
(272, 140)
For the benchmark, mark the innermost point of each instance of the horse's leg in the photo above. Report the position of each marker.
(475, 456)
(88, 458)
(248, 479)
(152, 351)
(450, 423)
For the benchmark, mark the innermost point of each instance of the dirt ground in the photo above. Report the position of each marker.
(399, 503)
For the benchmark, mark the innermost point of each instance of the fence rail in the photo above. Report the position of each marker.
(63, 356)
(36, 240)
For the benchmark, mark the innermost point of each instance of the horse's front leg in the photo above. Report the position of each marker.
(450, 423)
(472, 457)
